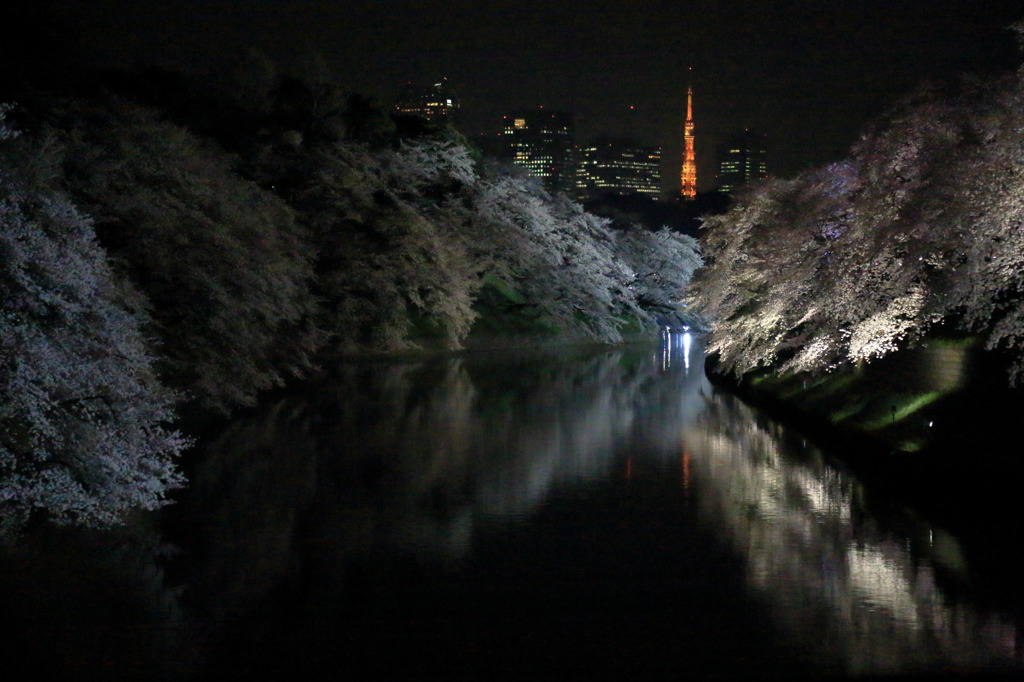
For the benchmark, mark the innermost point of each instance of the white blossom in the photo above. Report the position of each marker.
(83, 433)
(923, 223)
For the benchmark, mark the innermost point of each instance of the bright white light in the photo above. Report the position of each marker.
(687, 340)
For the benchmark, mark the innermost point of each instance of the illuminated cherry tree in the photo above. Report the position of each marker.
(83, 435)
(560, 258)
(390, 258)
(223, 261)
(986, 217)
(408, 236)
(663, 263)
(850, 262)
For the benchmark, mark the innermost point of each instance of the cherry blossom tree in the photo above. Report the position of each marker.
(850, 262)
(738, 289)
(223, 262)
(570, 265)
(986, 226)
(83, 418)
(408, 237)
(658, 266)
(391, 263)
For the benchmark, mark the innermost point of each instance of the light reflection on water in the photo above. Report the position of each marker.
(865, 596)
(421, 458)
(298, 508)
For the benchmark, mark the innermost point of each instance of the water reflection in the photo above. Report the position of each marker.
(676, 347)
(410, 468)
(409, 457)
(88, 605)
(863, 592)
(416, 459)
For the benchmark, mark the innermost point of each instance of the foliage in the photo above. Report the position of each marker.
(387, 257)
(321, 231)
(83, 435)
(847, 263)
(558, 257)
(569, 264)
(663, 262)
(408, 236)
(223, 262)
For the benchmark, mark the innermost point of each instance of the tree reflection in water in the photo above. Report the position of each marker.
(410, 457)
(862, 592)
(410, 468)
(413, 459)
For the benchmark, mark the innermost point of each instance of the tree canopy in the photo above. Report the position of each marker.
(84, 420)
(919, 226)
(167, 243)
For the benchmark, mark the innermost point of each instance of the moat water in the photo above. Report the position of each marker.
(528, 514)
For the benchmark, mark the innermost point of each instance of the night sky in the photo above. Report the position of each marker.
(810, 73)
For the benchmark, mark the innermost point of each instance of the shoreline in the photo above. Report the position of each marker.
(967, 478)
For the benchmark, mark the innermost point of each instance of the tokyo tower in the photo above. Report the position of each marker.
(689, 174)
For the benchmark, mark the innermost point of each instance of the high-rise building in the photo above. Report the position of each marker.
(542, 142)
(689, 170)
(742, 160)
(436, 104)
(619, 168)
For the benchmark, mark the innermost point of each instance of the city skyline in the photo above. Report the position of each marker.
(810, 74)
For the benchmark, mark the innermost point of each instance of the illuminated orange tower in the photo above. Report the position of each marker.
(689, 174)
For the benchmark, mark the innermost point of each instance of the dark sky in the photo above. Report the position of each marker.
(810, 73)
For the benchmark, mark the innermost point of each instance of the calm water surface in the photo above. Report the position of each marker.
(530, 515)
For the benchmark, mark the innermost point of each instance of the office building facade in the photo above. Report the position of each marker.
(541, 141)
(741, 160)
(436, 104)
(618, 168)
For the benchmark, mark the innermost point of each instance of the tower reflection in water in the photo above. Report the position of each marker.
(422, 456)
